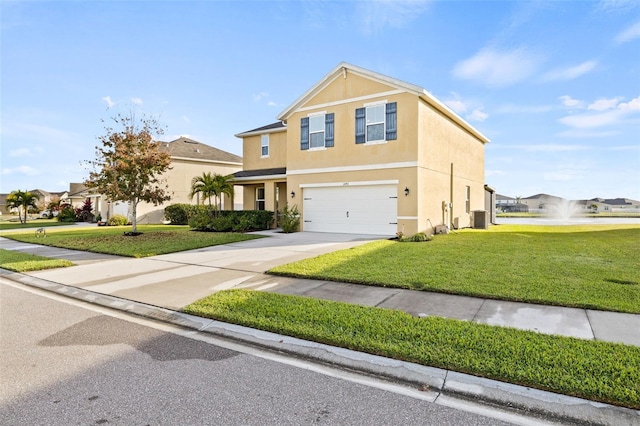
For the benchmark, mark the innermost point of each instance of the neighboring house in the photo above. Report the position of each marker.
(189, 159)
(361, 152)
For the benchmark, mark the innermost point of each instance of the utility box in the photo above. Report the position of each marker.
(480, 219)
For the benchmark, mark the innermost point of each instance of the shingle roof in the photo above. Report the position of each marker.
(273, 127)
(188, 148)
(261, 172)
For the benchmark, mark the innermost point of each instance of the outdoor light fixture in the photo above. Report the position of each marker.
(293, 194)
(406, 191)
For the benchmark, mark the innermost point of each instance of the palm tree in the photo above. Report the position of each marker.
(212, 185)
(202, 185)
(22, 201)
(222, 185)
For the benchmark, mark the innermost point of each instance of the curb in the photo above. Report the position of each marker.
(438, 381)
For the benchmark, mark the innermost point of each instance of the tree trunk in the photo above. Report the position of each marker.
(134, 216)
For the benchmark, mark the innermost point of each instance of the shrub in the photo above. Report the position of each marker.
(290, 219)
(85, 213)
(67, 214)
(117, 220)
(223, 223)
(416, 238)
(179, 214)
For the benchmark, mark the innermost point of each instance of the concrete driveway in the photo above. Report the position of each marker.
(176, 280)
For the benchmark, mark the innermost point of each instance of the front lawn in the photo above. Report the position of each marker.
(600, 371)
(25, 262)
(594, 266)
(155, 240)
(37, 223)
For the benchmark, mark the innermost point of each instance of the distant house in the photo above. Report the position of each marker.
(361, 152)
(189, 158)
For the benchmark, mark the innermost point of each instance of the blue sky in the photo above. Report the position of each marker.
(554, 85)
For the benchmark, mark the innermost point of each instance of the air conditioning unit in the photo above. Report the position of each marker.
(456, 222)
(480, 219)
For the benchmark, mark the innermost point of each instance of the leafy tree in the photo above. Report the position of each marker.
(212, 185)
(23, 201)
(129, 164)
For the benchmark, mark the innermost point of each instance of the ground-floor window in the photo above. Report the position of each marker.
(260, 198)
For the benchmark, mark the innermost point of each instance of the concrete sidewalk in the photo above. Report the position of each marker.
(175, 280)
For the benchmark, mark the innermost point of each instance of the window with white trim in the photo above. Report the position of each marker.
(316, 131)
(264, 145)
(376, 123)
(260, 198)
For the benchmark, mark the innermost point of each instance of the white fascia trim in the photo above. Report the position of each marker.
(262, 132)
(357, 99)
(408, 217)
(358, 183)
(200, 160)
(354, 168)
(265, 177)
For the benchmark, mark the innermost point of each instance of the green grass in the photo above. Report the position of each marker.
(599, 371)
(593, 267)
(155, 240)
(24, 262)
(38, 223)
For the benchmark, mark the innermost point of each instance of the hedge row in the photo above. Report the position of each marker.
(205, 218)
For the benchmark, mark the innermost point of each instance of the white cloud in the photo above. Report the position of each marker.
(257, 97)
(186, 119)
(494, 173)
(523, 109)
(272, 104)
(570, 73)
(478, 115)
(456, 105)
(552, 148)
(376, 15)
(20, 152)
(629, 34)
(21, 170)
(586, 134)
(108, 101)
(498, 69)
(569, 102)
(590, 121)
(136, 101)
(632, 105)
(604, 104)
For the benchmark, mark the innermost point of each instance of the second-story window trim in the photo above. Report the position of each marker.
(376, 123)
(316, 131)
(264, 146)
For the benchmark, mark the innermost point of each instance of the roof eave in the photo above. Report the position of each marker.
(260, 132)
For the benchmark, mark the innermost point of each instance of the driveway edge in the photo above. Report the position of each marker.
(506, 395)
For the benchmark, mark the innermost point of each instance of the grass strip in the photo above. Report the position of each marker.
(599, 371)
(591, 267)
(155, 240)
(25, 262)
(39, 223)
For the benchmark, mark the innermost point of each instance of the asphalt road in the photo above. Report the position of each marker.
(63, 362)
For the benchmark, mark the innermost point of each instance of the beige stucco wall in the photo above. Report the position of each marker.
(251, 151)
(179, 182)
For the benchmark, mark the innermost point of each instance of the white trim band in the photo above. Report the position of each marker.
(354, 168)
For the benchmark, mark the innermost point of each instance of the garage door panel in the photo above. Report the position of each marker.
(367, 209)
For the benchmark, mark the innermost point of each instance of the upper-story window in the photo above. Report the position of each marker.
(316, 131)
(264, 145)
(376, 123)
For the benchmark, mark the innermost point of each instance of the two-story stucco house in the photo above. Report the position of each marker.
(361, 152)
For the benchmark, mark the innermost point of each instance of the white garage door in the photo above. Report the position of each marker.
(370, 209)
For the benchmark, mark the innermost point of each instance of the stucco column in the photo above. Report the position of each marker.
(270, 196)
